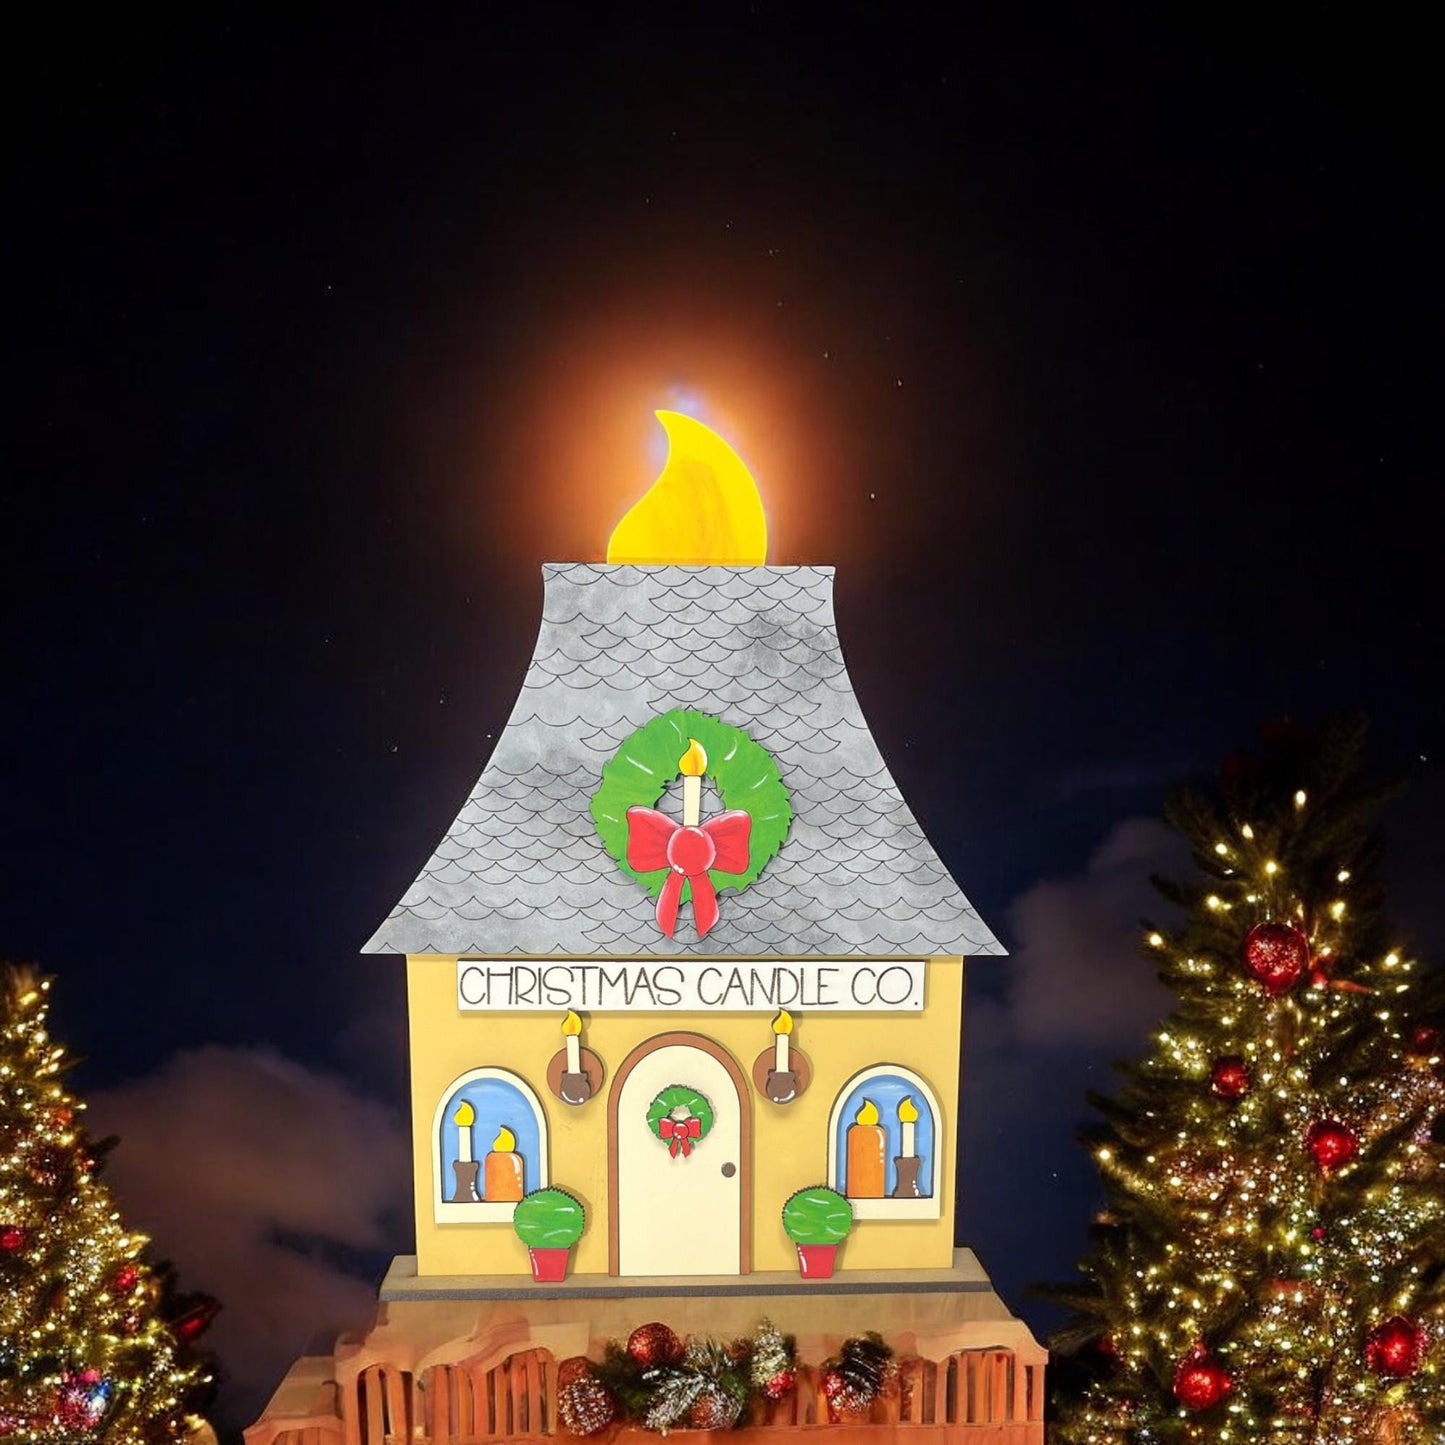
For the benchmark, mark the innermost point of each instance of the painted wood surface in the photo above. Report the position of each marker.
(971, 1397)
(679, 1214)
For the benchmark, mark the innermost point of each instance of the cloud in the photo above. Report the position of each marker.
(1075, 993)
(255, 1175)
(1077, 975)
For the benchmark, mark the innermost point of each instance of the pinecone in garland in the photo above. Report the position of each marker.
(855, 1376)
(584, 1404)
(705, 1371)
(772, 1368)
(571, 1369)
(845, 1401)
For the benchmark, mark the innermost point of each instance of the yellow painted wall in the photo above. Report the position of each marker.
(790, 1142)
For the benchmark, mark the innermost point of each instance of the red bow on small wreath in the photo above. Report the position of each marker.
(680, 1133)
(655, 841)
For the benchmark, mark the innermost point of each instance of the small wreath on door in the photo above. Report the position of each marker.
(680, 1117)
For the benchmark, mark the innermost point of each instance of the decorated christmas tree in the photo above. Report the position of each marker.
(1270, 1264)
(94, 1343)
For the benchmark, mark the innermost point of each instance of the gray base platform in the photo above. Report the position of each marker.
(965, 1276)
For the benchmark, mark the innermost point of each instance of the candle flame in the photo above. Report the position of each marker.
(703, 509)
(505, 1141)
(571, 1024)
(868, 1114)
(908, 1110)
(693, 763)
(783, 1024)
(466, 1116)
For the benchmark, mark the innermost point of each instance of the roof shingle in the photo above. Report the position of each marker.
(522, 869)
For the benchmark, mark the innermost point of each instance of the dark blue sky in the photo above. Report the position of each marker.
(1106, 351)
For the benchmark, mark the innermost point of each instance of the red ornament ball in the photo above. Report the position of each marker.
(13, 1237)
(654, 1344)
(1425, 1043)
(1230, 1078)
(1276, 955)
(1394, 1349)
(125, 1279)
(714, 1410)
(781, 1385)
(1201, 1381)
(1318, 1232)
(1331, 1144)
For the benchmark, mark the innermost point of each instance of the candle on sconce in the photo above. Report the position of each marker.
(464, 1118)
(782, 1027)
(908, 1117)
(867, 1148)
(692, 765)
(502, 1178)
(571, 1028)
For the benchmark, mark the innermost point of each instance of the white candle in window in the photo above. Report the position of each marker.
(571, 1027)
(908, 1117)
(464, 1118)
(782, 1027)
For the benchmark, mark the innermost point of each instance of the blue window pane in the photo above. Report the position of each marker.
(887, 1091)
(497, 1103)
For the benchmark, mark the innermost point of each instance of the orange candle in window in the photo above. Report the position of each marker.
(502, 1169)
(867, 1145)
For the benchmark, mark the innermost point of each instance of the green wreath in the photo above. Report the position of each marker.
(680, 1134)
(745, 774)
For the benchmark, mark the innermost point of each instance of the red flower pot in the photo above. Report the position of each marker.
(815, 1261)
(548, 1265)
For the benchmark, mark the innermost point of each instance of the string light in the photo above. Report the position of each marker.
(1249, 1250)
(84, 1355)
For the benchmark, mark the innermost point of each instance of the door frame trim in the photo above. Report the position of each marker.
(745, 1148)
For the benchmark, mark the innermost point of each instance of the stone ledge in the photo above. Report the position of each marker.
(402, 1283)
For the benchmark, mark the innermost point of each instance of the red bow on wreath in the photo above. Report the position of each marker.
(655, 841)
(680, 1133)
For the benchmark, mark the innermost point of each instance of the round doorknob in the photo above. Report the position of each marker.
(729, 1169)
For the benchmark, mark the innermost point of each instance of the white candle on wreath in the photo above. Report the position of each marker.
(464, 1118)
(692, 765)
(782, 1027)
(571, 1027)
(908, 1117)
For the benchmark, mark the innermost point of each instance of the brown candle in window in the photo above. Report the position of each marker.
(502, 1170)
(867, 1150)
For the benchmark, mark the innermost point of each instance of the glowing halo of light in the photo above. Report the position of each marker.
(703, 509)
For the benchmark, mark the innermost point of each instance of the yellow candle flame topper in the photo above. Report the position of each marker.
(783, 1024)
(505, 1141)
(868, 1114)
(693, 763)
(466, 1116)
(571, 1024)
(907, 1110)
(703, 509)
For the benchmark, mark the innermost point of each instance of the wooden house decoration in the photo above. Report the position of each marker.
(683, 958)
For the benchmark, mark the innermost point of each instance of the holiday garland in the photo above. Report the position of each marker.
(744, 772)
(662, 1382)
(680, 1117)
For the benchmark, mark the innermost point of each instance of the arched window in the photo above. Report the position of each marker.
(489, 1147)
(885, 1147)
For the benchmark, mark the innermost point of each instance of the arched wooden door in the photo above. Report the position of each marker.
(679, 1213)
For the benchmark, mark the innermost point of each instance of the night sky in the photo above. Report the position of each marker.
(1101, 356)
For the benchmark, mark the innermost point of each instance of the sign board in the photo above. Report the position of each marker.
(827, 985)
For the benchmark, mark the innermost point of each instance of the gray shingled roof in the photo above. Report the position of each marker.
(522, 870)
